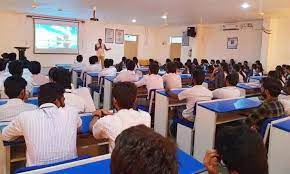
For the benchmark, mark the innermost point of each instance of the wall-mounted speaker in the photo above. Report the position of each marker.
(191, 32)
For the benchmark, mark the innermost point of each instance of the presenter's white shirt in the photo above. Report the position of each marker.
(127, 76)
(172, 81)
(226, 92)
(111, 126)
(193, 95)
(101, 51)
(50, 134)
(152, 81)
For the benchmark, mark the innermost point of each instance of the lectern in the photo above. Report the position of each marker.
(21, 51)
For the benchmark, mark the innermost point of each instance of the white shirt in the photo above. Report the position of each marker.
(111, 126)
(78, 65)
(111, 71)
(92, 68)
(50, 134)
(226, 92)
(39, 79)
(285, 100)
(151, 81)
(193, 95)
(80, 99)
(127, 76)
(13, 108)
(172, 81)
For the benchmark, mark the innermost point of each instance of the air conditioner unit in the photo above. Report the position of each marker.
(246, 26)
(230, 27)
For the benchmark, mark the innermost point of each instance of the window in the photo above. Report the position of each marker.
(176, 39)
(130, 38)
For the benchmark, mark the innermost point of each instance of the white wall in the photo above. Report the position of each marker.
(17, 30)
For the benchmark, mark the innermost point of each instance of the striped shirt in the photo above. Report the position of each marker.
(50, 133)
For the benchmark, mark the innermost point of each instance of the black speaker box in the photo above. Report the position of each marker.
(191, 32)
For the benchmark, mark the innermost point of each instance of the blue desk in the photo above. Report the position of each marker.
(285, 125)
(249, 86)
(185, 76)
(174, 91)
(187, 165)
(91, 76)
(256, 78)
(65, 66)
(212, 113)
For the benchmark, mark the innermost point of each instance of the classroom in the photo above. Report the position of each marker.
(145, 87)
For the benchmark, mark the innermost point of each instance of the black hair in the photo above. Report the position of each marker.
(79, 58)
(13, 85)
(135, 59)
(130, 65)
(171, 67)
(274, 86)
(198, 76)
(2, 65)
(168, 60)
(237, 67)
(141, 150)
(124, 59)
(52, 73)
(242, 150)
(50, 92)
(4, 55)
(12, 56)
(35, 67)
(62, 77)
(125, 93)
(154, 68)
(15, 68)
(233, 79)
(274, 75)
(195, 61)
(107, 63)
(93, 60)
(151, 60)
(111, 62)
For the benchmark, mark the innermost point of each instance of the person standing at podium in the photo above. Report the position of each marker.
(100, 48)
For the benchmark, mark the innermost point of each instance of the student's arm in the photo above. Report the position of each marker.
(211, 161)
(141, 82)
(97, 115)
(13, 130)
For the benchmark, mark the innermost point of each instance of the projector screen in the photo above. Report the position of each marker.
(55, 37)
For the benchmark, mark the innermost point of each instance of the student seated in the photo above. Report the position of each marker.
(171, 79)
(193, 95)
(151, 81)
(122, 65)
(230, 91)
(135, 59)
(78, 64)
(110, 126)
(93, 67)
(128, 75)
(2, 76)
(50, 132)
(271, 107)
(241, 150)
(109, 69)
(151, 153)
(164, 67)
(15, 89)
(242, 75)
(285, 99)
(78, 98)
(37, 78)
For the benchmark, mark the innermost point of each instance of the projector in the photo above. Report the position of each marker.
(94, 19)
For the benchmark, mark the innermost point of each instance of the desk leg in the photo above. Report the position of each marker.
(75, 78)
(279, 154)
(107, 94)
(205, 127)
(161, 115)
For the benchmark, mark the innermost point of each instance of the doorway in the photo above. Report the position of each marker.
(131, 46)
(175, 47)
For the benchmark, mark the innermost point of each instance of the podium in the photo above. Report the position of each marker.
(21, 51)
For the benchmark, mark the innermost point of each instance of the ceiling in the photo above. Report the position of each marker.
(149, 12)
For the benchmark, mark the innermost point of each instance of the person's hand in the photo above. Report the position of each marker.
(210, 161)
(101, 113)
(254, 128)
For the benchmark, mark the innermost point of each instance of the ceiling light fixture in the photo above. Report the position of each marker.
(134, 20)
(245, 5)
(164, 17)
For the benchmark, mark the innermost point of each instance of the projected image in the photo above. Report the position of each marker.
(56, 37)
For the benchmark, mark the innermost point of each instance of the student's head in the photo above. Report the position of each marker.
(124, 59)
(168, 60)
(273, 75)
(79, 58)
(212, 62)
(62, 77)
(237, 67)
(2, 65)
(100, 40)
(195, 61)
(111, 62)
(4, 55)
(135, 59)
(15, 87)
(151, 61)
(198, 77)
(140, 150)
(246, 63)
(52, 73)
(15, 68)
(171, 67)
(35, 67)
(232, 79)
(218, 62)
(271, 88)
(124, 95)
(51, 93)
(154, 68)
(107, 63)
(232, 61)
(130, 65)
(12, 56)
(242, 150)
(93, 60)
(254, 66)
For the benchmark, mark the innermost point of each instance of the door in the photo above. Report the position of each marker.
(175, 50)
(131, 46)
